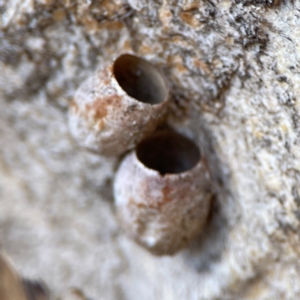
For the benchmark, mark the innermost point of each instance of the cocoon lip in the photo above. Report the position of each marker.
(118, 106)
(162, 193)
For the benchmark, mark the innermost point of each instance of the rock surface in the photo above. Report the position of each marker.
(234, 71)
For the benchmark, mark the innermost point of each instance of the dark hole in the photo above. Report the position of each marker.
(140, 80)
(168, 152)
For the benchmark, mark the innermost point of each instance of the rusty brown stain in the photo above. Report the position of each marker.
(112, 25)
(145, 49)
(59, 15)
(98, 108)
(202, 65)
(189, 19)
(127, 45)
(177, 62)
(100, 105)
(90, 23)
(180, 68)
(106, 81)
(166, 193)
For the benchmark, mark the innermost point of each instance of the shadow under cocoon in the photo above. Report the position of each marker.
(140, 80)
(206, 255)
(168, 153)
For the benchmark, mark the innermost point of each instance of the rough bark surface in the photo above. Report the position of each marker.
(234, 70)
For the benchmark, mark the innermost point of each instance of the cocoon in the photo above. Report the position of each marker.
(118, 106)
(162, 192)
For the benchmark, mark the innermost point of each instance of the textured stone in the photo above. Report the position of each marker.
(234, 71)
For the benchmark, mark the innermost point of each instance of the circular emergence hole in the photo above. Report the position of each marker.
(139, 79)
(168, 153)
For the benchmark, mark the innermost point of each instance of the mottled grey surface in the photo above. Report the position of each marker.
(234, 71)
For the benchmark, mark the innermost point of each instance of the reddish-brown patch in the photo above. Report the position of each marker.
(177, 62)
(106, 81)
(99, 107)
(127, 46)
(166, 193)
(202, 65)
(59, 15)
(145, 49)
(189, 19)
(90, 23)
(112, 25)
(181, 68)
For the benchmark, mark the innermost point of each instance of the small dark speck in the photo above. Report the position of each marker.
(296, 195)
(282, 78)
(132, 107)
(287, 146)
(297, 214)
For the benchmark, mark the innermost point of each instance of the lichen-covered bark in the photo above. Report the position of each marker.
(234, 71)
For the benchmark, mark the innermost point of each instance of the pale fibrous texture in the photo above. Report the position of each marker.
(162, 212)
(233, 67)
(118, 106)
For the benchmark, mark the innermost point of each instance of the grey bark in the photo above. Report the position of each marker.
(234, 71)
